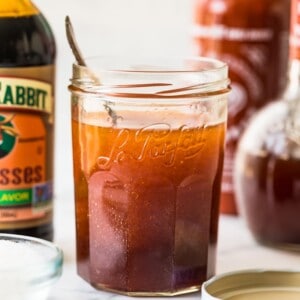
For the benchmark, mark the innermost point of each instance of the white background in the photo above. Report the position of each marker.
(109, 27)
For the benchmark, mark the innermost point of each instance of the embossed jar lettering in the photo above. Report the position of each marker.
(153, 142)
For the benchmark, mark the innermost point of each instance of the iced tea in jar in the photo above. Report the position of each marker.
(148, 147)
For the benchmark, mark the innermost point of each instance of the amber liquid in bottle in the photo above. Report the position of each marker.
(27, 52)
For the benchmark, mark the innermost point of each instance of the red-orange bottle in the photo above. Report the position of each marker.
(252, 37)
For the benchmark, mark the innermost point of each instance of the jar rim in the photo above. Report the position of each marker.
(167, 77)
(158, 64)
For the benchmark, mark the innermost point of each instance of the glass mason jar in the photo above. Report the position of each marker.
(148, 146)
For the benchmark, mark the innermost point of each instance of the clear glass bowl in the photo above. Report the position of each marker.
(28, 267)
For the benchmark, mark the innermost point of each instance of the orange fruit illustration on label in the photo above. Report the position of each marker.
(8, 135)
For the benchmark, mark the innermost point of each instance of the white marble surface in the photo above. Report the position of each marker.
(133, 27)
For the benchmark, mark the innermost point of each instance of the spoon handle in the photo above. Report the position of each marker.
(72, 42)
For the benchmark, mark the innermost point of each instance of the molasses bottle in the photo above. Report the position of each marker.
(27, 57)
(267, 171)
(251, 36)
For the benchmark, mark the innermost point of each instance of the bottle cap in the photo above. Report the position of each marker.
(253, 285)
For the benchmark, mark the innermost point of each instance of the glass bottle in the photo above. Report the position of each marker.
(267, 171)
(27, 57)
(251, 36)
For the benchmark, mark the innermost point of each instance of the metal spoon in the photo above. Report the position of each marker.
(80, 60)
(73, 43)
(76, 50)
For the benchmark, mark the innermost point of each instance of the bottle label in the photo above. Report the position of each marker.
(295, 30)
(222, 32)
(25, 94)
(254, 56)
(26, 129)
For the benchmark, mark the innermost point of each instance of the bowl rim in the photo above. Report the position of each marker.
(54, 262)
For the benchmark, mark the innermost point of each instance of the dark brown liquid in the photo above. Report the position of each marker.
(271, 198)
(146, 206)
(27, 42)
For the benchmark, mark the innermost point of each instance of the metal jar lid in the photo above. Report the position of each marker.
(253, 285)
